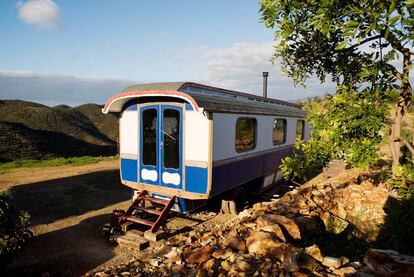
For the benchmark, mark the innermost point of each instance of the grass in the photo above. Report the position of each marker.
(75, 161)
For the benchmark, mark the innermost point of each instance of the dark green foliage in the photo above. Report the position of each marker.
(345, 126)
(34, 131)
(14, 231)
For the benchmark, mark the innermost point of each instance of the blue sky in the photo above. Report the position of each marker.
(77, 51)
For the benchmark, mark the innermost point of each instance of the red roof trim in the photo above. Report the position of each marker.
(170, 93)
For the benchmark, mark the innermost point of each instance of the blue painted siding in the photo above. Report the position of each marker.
(188, 107)
(196, 179)
(131, 105)
(129, 170)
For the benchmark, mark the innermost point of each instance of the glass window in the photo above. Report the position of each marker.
(300, 129)
(279, 131)
(149, 140)
(171, 133)
(245, 134)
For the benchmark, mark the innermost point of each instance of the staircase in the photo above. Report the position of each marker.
(160, 210)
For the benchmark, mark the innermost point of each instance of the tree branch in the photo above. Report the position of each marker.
(408, 145)
(364, 41)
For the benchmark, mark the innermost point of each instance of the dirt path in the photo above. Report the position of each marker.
(68, 206)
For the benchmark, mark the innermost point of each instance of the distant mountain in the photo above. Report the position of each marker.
(34, 131)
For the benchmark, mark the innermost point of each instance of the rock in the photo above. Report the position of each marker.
(288, 255)
(232, 258)
(314, 252)
(199, 255)
(334, 263)
(334, 225)
(288, 224)
(236, 244)
(334, 168)
(389, 263)
(225, 265)
(208, 265)
(222, 254)
(261, 243)
(242, 266)
(345, 271)
(245, 214)
(275, 228)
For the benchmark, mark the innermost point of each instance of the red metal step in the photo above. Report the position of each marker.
(160, 214)
(151, 211)
(139, 220)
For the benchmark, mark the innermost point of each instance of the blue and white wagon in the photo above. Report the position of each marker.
(194, 142)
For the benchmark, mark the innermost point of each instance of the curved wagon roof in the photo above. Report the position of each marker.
(209, 98)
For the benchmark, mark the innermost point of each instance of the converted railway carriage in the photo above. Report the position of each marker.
(194, 142)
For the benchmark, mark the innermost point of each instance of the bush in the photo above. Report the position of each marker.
(403, 181)
(14, 231)
(311, 157)
(345, 126)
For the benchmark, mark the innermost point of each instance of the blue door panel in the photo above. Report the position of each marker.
(158, 174)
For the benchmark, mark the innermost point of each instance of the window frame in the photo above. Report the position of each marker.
(303, 129)
(255, 134)
(284, 130)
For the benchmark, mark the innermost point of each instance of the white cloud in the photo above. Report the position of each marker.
(40, 13)
(240, 66)
(52, 89)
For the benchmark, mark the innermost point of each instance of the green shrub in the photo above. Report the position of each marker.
(14, 231)
(345, 126)
(403, 181)
(311, 157)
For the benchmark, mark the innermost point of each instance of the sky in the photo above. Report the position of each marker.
(80, 51)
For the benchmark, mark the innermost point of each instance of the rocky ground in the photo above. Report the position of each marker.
(322, 228)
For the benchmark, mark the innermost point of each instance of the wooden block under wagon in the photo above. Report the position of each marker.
(136, 243)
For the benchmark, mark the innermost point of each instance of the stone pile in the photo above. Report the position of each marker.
(267, 239)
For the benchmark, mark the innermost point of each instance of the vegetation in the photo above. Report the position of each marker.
(14, 231)
(33, 131)
(76, 161)
(355, 43)
(344, 126)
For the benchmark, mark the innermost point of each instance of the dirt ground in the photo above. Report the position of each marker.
(68, 206)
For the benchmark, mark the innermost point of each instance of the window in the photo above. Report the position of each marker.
(171, 132)
(300, 129)
(279, 131)
(245, 134)
(149, 140)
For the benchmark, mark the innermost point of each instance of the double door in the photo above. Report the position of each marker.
(161, 145)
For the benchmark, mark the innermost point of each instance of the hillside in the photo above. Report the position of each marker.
(35, 131)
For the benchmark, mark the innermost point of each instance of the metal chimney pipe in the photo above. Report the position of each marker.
(265, 75)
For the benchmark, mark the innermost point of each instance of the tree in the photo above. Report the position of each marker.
(356, 43)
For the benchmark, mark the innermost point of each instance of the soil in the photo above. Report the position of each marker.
(68, 206)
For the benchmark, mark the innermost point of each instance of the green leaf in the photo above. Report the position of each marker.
(393, 20)
(341, 45)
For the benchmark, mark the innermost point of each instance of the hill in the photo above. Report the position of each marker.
(35, 131)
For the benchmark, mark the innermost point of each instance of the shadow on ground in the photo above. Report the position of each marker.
(70, 251)
(51, 200)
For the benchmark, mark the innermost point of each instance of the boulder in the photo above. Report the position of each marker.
(236, 244)
(288, 224)
(261, 243)
(288, 255)
(199, 255)
(389, 263)
(314, 252)
(275, 228)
